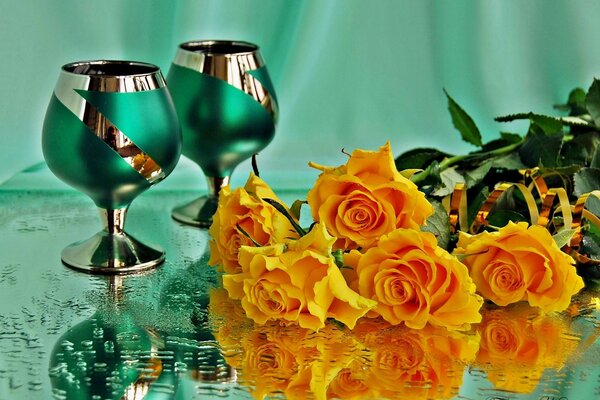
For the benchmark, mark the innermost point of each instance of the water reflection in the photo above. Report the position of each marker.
(106, 356)
(373, 361)
(508, 354)
(518, 345)
(194, 342)
(135, 347)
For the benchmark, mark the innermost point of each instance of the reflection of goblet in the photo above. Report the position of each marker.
(227, 108)
(111, 131)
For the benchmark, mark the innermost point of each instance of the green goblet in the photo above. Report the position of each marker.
(227, 108)
(111, 131)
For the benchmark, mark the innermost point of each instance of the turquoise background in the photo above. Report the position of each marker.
(348, 73)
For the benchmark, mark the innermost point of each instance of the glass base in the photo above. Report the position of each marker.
(111, 254)
(197, 213)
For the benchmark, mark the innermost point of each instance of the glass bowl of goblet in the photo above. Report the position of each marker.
(111, 131)
(228, 109)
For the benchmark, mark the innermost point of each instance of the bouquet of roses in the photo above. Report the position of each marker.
(370, 252)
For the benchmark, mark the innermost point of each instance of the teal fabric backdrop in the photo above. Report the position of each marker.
(348, 73)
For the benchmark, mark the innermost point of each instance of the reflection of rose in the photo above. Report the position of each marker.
(269, 361)
(416, 364)
(366, 198)
(350, 384)
(415, 282)
(518, 345)
(374, 361)
(228, 319)
(245, 207)
(518, 263)
(298, 281)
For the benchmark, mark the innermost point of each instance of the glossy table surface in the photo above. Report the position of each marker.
(171, 334)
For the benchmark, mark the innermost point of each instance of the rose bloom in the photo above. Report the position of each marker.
(415, 282)
(518, 263)
(517, 346)
(297, 281)
(365, 199)
(245, 207)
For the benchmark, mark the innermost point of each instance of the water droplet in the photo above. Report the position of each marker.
(180, 367)
(109, 346)
(98, 333)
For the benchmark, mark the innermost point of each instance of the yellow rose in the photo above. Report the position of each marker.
(297, 281)
(245, 207)
(517, 346)
(518, 263)
(366, 198)
(415, 282)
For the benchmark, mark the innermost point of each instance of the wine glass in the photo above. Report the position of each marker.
(227, 107)
(111, 131)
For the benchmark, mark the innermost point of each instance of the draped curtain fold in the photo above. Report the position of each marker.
(348, 73)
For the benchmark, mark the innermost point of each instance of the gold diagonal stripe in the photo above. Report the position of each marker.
(114, 138)
(258, 92)
(122, 144)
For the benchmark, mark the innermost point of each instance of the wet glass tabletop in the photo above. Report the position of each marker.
(172, 333)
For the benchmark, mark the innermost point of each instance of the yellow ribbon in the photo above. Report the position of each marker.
(545, 214)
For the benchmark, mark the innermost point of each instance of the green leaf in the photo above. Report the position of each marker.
(595, 163)
(590, 244)
(512, 117)
(593, 205)
(549, 125)
(567, 121)
(507, 200)
(476, 175)
(577, 102)
(419, 158)
(586, 180)
(560, 176)
(502, 217)
(563, 237)
(577, 97)
(581, 149)
(463, 122)
(511, 137)
(296, 208)
(439, 225)
(450, 177)
(539, 150)
(510, 161)
(476, 201)
(592, 101)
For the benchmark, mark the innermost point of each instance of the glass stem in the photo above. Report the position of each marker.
(113, 220)
(215, 183)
